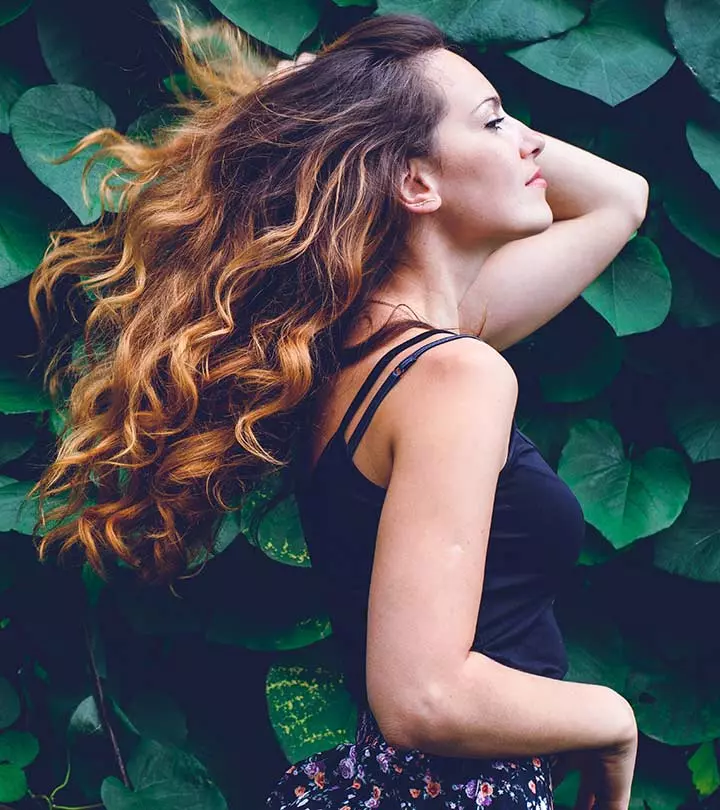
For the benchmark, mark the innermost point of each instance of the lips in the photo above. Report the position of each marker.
(536, 176)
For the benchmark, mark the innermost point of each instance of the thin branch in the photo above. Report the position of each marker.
(102, 707)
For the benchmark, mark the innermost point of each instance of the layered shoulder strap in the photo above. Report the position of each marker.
(389, 382)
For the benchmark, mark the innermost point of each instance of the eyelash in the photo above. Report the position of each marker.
(496, 121)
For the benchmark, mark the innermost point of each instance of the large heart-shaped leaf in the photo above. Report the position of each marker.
(45, 123)
(310, 708)
(284, 24)
(617, 53)
(624, 499)
(691, 546)
(634, 293)
(484, 21)
(697, 427)
(705, 146)
(23, 236)
(589, 371)
(694, 26)
(163, 777)
(692, 211)
(674, 706)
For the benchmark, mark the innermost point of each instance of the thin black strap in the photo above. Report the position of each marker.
(389, 382)
(377, 370)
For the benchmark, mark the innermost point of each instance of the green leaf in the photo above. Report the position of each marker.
(705, 146)
(309, 706)
(565, 794)
(703, 765)
(345, 3)
(157, 716)
(692, 25)
(20, 395)
(696, 290)
(190, 13)
(633, 294)
(85, 720)
(49, 120)
(23, 236)
(673, 706)
(596, 655)
(624, 499)
(697, 427)
(692, 212)
(12, 86)
(256, 633)
(16, 438)
(691, 546)
(13, 784)
(592, 366)
(17, 513)
(163, 777)
(18, 747)
(617, 53)
(9, 11)
(284, 24)
(94, 584)
(9, 703)
(280, 533)
(660, 790)
(476, 22)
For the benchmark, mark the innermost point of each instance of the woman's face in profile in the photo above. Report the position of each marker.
(485, 163)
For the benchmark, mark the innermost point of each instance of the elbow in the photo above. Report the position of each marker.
(413, 722)
(638, 200)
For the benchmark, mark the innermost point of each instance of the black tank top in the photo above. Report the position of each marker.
(535, 537)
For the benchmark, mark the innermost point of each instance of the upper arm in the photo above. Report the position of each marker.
(525, 283)
(448, 449)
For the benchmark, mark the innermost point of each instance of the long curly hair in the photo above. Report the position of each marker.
(212, 297)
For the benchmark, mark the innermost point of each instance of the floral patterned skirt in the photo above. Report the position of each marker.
(372, 774)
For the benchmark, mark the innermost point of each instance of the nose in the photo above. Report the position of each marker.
(531, 142)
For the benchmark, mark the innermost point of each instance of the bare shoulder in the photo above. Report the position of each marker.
(462, 388)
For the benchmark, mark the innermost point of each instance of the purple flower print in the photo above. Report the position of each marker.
(311, 769)
(471, 788)
(384, 762)
(347, 768)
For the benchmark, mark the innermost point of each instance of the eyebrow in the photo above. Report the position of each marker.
(494, 99)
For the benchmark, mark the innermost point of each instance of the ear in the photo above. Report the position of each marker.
(419, 189)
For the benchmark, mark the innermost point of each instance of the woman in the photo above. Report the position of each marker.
(247, 314)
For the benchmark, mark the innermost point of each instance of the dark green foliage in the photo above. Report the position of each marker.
(197, 697)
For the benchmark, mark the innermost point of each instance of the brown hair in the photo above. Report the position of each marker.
(215, 294)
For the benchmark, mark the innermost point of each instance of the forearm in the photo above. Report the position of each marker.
(580, 182)
(490, 710)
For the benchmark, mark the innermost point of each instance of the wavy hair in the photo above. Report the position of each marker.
(212, 297)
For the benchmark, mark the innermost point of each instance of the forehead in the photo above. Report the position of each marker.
(462, 83)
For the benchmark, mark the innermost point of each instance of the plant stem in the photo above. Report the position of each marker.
(102, 708)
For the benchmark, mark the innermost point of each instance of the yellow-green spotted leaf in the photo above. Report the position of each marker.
(309, 706)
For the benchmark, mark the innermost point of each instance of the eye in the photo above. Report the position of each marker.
(495, 123)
